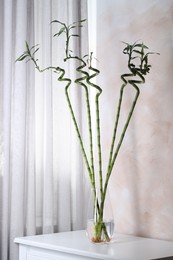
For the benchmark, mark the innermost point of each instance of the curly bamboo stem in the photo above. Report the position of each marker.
(96, 72)
(61, 78)
(80, 82)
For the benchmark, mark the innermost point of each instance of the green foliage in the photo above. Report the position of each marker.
(67, 30)
(138, 48)
(138, 68)
(29, 53)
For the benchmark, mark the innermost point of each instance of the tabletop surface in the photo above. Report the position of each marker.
(123, 247)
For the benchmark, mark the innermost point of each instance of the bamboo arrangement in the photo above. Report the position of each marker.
(136, 75)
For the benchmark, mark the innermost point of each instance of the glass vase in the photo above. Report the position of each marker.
(100, 223)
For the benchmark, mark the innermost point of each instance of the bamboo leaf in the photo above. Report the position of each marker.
(141, 45)
(75, 35)
(71, 27)
(35, 51)
(60, 31)
(83, 20)
(125, 43)
(27, 46)
(127, 49)
(135, 57)
(152, 53)
(137, 51)
(22, 57)
(55, 34)
(56, 21)
(85, 56)
(132, 65)
(34, 46)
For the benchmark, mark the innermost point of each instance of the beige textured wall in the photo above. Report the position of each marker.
(141, 187)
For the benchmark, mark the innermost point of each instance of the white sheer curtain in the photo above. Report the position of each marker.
(42, 179)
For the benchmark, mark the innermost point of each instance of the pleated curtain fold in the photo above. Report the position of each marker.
(43, 186)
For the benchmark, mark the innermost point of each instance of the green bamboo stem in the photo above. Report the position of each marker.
(66, 31)
(80, 82)
(117, 118)
(99, 142)
(96, 72)
(123, 77)
(116, 126)
(122, 137)
(110, 167)
(143, 69)
(61, 78)
(99, 224)
(117, 150)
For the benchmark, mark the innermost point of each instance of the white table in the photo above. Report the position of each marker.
(75, 245)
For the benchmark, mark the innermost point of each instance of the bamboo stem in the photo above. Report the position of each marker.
(75, 122)
(115, 126)
(96, 72)
(122, 137)
(78, 81)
